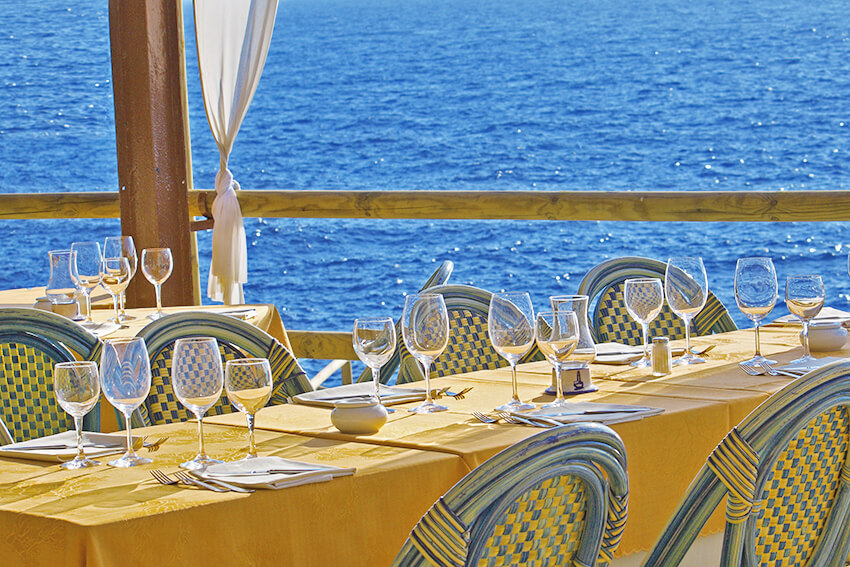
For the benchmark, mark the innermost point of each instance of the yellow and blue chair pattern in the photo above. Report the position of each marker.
(31, 342)
(785, 474)
(557, 498)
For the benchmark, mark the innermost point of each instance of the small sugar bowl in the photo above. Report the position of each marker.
(826, 336)
(359, 416)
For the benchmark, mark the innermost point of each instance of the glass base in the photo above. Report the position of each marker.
(124, 317)
(516, 405)
(428, 407)
(757, 360)
(644, 362)
(557, 404)
(688, 359)
(129, 460)
(156, 315)
(807, 362)
(86, 324)
(79, 463)
(200, 462)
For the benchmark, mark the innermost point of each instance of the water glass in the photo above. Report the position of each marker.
(197, 380)
(425, 330)
(156, 266)
(248, 383)
(644, 298)
(125, 378)
(557, 336)
(686, 287)
(374, 342)
(755, 294)
(510, 323)
(86, 271)
(77, 388)
(804, 296)
(116, 278)
(115, 247)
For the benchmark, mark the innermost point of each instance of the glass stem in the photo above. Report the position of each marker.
(559, 394)
(200, 417)
(806, 352)
(130, 452)
(78, 425)
(123, 300)
(158, 299)
(376, 376)
(115, 306)
(252, 447)
(758, 345)
(687, 339)
(426, 364)
(645, 340)
(88, 291)
(513, 381)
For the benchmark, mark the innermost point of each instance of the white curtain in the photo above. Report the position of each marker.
(233, 39)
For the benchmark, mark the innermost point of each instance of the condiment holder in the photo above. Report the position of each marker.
(363, 416)
(826, 336)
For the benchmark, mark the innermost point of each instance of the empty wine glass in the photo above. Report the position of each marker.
(686, 286)
(425, 329)
(197, 379)
(374, 342)
(804, 296)
(248, 383)
(644, 298)
(116, 278)
(77, 388)
(755, 294)
(156, 266)
(557, 336)
(125, 377)
(510, 323)
(115, 247)
(86, 271)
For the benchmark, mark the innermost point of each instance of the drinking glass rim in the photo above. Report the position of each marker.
(756, 258)
(373, 319)
(642, 280)
(804, 276)
(68, 251)
(75, 364)
(156, 249)
(191, 340)
(123, 340)
(246, 361)
(571, 297)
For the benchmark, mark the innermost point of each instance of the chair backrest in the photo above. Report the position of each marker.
(609, 319)
(236, 339)
(786, 476)
(557, 498)
(31, 342)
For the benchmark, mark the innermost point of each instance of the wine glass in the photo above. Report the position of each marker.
(248, 383)
(125, 377)
(557, 336)
(425, 330)
(77, 388)
(86, 271)
(755, 294)
(686, 286)
(196, 377)
(804, 296)
(116, 278)
(156, 266)
(114, 247)
(374, 342)
(510, 323)
(644, 298)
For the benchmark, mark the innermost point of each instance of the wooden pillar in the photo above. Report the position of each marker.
(152, 135)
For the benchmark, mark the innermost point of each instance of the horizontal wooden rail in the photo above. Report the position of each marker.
(322, 345)
(692, 206)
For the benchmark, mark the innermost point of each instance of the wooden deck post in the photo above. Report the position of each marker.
(152, 135)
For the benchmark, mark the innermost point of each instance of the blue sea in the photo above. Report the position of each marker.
(537, 95)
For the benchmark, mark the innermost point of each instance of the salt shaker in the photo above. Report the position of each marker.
(662, 357)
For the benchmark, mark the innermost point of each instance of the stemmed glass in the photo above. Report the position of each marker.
(197, 379)
(644, 298)
(115, 247)
(248, 383)
(86, 271)
(425, 329)
(374, 342)
(77, 388)
(156, 266)
(804, 296)
(755, 294)
(125, 377)
(686, 286)
(557, 336)
(510, 323)
(116, 278)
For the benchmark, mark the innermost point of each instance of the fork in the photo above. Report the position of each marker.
(535, 421)
(437, 394)
(776, 372)
(163, 478)
(751, 370)
(154, 447)
(460, 395)
(210, 483)
(484, 418)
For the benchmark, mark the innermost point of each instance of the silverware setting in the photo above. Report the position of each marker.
(184, 478)
(765, 368)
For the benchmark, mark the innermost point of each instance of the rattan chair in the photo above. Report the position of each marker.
(609, 319)
(557, 498)
(785, 474)
(31, 342)
(236, 339)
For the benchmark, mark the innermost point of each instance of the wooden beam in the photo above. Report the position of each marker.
(146, 39)
(321, 345)
(94, 205)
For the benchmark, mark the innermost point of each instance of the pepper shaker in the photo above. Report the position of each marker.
(662, 356)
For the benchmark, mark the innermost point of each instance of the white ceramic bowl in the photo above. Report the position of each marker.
(359, 417)
(826, 336)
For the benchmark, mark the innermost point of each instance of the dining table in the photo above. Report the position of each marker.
(106, 516)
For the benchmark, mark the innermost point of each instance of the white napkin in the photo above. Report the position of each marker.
(617, 353)
(826, 314)
(94, 444)
(390, 395)
(272, 472)
(803, 368)
(593, 411)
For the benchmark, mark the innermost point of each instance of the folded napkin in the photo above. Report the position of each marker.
(63, 446)
(616, 353)
(592, 411)
(271, 472)
(803, 368)
(390, 395)
(826, 314)
(103, 328)
(239, 313)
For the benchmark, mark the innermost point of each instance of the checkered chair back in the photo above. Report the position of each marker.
(31, 342)
(236, 339)
(611, 322)
(785, 474)
(557, 498)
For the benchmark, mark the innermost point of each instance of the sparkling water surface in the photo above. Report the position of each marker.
(465, 94)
